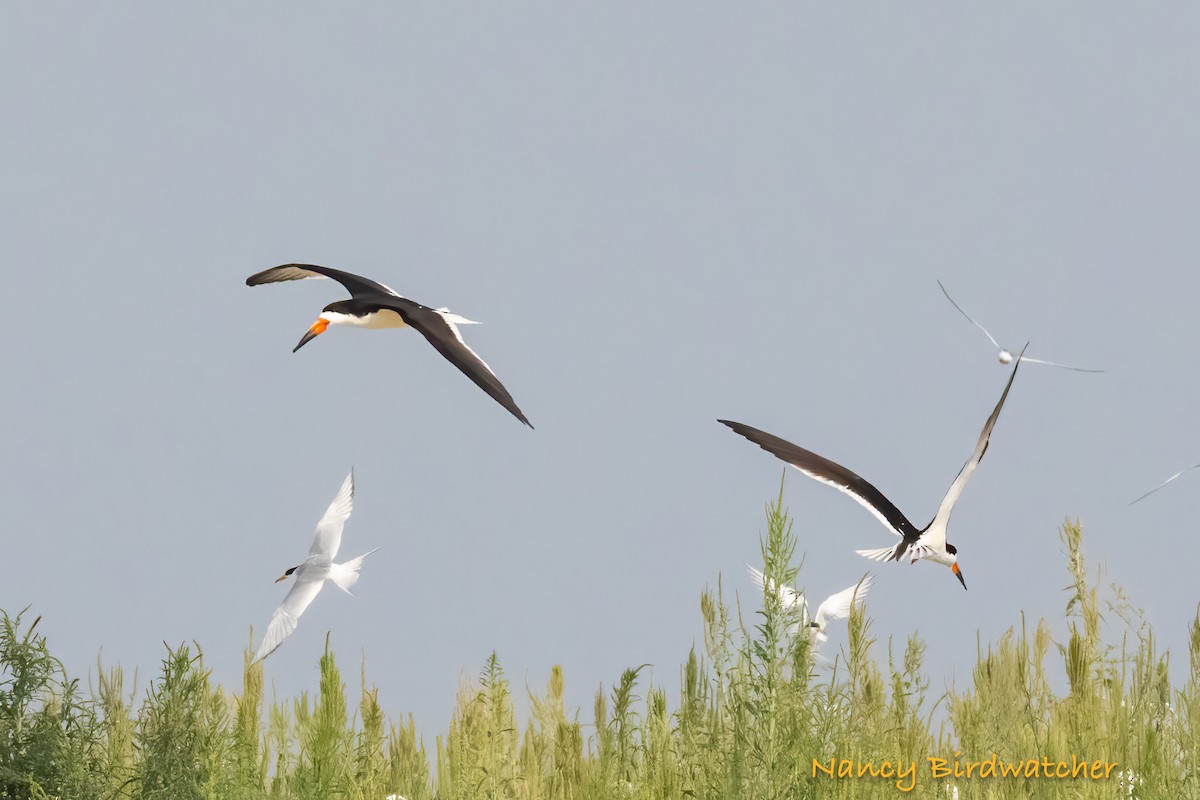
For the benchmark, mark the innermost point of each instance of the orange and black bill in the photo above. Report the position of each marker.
(316, 330)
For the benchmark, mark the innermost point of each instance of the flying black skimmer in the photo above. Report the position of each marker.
(1164, 483)
(373, 305)
(836, 606)
(316, 569)
(1005, 356)
(928, 542)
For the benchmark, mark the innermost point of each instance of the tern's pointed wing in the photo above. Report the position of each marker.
(833, 474)
(285, 618)
(438, 328)
(1055, 364)
(356, 285)
(789, 598)
(1164, 483)
(329, 529)
(968, 316)
(936, 534)
(837, 606)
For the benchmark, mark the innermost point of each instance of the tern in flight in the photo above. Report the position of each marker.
(1164, 483)
(316, 569)
(373, 305)
(836, 606)
(928, 542)
(1005, 356)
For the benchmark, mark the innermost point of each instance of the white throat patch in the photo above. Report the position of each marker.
(383, 318)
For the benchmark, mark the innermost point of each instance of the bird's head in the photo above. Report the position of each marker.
(339, 313)
(953, 551)
(286, 575)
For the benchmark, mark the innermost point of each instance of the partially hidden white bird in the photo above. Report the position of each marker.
(1005, 356)
(836, 606)
(1164, 483)
(316, 569)
(915, 543)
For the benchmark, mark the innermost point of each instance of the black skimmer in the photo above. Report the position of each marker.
(373, 305)
(928, 542)
(316, 569)
(1164, 483)
(836, 606)
(1005, 356)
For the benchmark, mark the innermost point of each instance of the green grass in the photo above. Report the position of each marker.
(751, 717)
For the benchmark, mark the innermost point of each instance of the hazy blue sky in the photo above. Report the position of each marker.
(663, 214)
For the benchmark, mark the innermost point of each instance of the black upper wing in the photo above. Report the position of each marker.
(356, 285)
(444, 336)
(837, 476)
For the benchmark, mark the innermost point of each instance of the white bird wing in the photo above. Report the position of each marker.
(968, 316)
(1056, 364)
(1164, 483)
(285, 618)
(788, 596)
(837, 606)
(329, 529)
(935, 535)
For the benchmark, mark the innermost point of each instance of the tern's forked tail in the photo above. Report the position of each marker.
(346, 575)
(883, 553)
(454, 319)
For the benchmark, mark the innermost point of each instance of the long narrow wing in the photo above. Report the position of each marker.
(356, 285)
(1164, 483)
(968, 316)
(1056, 364)
(789, 598)
(837, 606)
(286, 617)
(936, 536)
(835, 475)
(440, 331)
(329, 529)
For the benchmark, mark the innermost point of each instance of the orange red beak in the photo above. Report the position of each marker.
(958, 574)
(316, 330)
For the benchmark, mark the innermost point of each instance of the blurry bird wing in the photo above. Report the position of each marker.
(329, 529)
(287, 616)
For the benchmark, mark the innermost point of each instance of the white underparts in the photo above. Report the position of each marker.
(383, 318)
